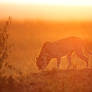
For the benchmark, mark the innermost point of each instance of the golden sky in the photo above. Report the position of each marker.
(47, 9)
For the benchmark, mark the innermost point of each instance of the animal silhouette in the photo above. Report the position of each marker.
(60, 48)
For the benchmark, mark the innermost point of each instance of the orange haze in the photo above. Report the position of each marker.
(34, 24)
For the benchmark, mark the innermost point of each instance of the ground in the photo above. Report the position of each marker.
(50, 81)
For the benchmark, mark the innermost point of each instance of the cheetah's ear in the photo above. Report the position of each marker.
(47, 43)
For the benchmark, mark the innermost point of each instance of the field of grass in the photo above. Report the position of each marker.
(27, 38)
(50, 81)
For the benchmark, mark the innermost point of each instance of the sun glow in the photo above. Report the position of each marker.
(65, 10)
(51, 2)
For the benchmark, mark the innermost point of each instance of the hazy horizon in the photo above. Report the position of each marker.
(46, 12)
